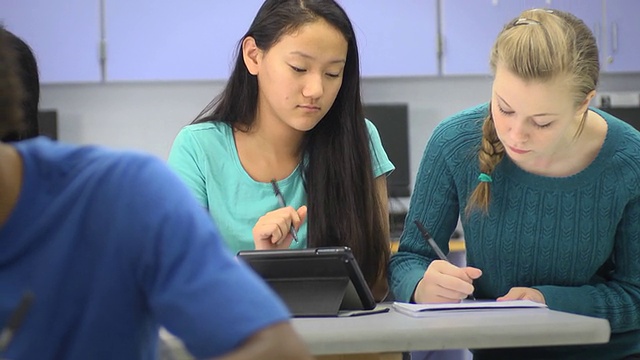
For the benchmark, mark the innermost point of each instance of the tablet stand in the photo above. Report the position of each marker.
(311, 296)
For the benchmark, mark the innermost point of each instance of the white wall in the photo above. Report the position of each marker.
(147, 116)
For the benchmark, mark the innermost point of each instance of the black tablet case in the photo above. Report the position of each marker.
(313, 282)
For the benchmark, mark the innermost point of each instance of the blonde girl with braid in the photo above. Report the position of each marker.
(547, 190)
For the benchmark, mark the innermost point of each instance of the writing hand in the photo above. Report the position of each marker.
(272, 229)
(445, 282)
(523, 293)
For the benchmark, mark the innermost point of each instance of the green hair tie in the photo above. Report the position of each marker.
(485, 178)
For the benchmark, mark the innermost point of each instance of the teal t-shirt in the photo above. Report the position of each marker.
(205, 156)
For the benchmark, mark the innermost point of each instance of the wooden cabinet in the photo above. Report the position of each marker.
(622, 36)
(166, 40)
(468, 34)
(469, 29)
(396, 38)
(616, 27)
(64, 36)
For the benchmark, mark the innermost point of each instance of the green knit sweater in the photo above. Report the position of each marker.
(576, 238)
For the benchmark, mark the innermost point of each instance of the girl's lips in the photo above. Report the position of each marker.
(310, 107)
(518, 151)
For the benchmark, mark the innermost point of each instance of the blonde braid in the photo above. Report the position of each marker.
(489, 156)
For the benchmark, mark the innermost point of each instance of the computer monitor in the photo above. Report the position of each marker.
(48, 123)
(630, 115)
(392, 121)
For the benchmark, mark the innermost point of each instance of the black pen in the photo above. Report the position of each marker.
(434, 246)
(276, 190)
(16, 318)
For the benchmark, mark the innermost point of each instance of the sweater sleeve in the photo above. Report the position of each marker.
(617, 299)
(435, 203)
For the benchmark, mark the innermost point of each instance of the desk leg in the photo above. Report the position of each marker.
(382, 356)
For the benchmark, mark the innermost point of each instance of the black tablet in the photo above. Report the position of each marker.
(313, 282)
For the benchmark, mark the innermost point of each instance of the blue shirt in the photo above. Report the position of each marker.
(113, 245)
(206, 158)
(575, 238)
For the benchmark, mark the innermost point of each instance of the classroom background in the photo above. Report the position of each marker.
(130, 74)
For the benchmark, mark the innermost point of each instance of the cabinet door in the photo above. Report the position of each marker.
(196, 40)
(589, 11)
(64, 36)
(165, 40)
(469, 29)
(395, 37)
(622, 33)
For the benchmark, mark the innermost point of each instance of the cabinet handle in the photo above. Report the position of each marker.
(102, 47)
(614, 37)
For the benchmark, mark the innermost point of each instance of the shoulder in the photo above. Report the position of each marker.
(462, 126)
(453, 145)
(208, 127)
(96, 169)
(140, 178)
(371, 128)
(381, 163)
(62, 159)
(374, 135)
(201, 142)
(130, 192)
(204, 132)
(460, 134)
(624, 140)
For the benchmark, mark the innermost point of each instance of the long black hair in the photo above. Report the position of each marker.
(27, 72)
(343, 204)
(11, 93)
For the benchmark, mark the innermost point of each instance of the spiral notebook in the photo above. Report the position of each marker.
(418, 310)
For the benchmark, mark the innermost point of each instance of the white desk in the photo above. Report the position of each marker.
(395, 332)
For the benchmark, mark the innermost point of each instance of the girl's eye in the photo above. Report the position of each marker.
(542, 126)
(504, 112)
(333, 75)
(297, 69)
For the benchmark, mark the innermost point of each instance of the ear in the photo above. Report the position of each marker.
(251, 54)
(585, 104)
